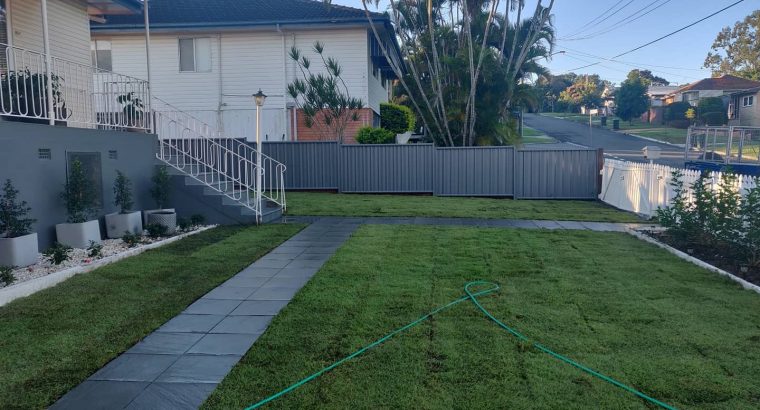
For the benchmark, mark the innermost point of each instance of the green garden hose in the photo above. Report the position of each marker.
(472, 296)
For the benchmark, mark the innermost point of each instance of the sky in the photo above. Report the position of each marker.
(678, 58)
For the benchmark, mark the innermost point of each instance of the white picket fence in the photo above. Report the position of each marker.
(642, 188)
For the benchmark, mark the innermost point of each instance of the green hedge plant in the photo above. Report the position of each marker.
(78, 194)
(122, 191)
(396, 118)
(14, 221)
(370, 135)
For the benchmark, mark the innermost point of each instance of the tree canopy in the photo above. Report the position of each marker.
(649, 78)
(586, 91)
(631, 99)
(736, 49)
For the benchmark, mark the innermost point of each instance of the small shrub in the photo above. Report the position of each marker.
(710, 104)
(94, 250)
(131, 239)
(680, 124)
(122, 191)
(197, 219)
(396, 118)
(676, 218)
(676, 111)
(6, 275)
(369, 135)
(161, 187)
(750, 224)
(58, 253)
(715, 118)
(78, 194)
(183, 224)
(13, 214)
(156, 231)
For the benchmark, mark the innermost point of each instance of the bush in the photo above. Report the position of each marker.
(396, 118)
(58, 253)
(682, 124)
(710, 104)
(122, 192)
(714, 118)
(676, 111)
(183, 224)
(156, 231)
(161, 187)
(197, 219)
(94, 249)
(79, 194)
(6, 275)
(13, 214)
(369, 135)
(131, 239)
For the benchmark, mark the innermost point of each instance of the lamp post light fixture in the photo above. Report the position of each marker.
(259, 99)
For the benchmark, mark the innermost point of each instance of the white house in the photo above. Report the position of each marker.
(744, 108)
(721, 86)
(209, 56)
(41, 38)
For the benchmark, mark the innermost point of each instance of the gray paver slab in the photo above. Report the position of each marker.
(212, 306)
(245, 282)
(224, 344)
(135, 367)
(259, 307)
(252, 272)
(571, 225)
(548, 225)
(270, 263)
(297, 272)
(199, 369)
(242, 324)
(185, 323)
(166, 343)
(274, 293)
(174, 396)
(230, 293)
(100, 394)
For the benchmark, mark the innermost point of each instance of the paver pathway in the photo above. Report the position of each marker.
(180, 364)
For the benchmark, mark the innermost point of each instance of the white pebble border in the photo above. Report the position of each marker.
(685, 256)
(82, 264)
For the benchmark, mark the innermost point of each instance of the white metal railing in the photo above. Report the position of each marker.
(226, 165)
(642, 188)
(82, 95)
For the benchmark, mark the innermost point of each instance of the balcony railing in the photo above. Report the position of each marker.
(81, 95)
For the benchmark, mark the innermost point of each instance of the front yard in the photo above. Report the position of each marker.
(329, 204)
(659, 132)
(620, 306)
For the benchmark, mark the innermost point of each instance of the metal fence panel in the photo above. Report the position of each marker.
(386, 168)
(475, 171)
(311, 165)
(556, 174)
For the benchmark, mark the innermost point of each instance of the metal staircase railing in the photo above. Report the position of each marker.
(226, 165)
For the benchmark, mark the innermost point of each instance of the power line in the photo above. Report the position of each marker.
(629, 63)
(679, 30)
(580, 29)
(623, 22)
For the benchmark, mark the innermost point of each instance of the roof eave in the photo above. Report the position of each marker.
(125, 28)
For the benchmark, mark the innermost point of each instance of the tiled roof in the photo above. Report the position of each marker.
(724, 82)
(749, 91)
(211, 13)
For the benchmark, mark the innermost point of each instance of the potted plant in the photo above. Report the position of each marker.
(133, 112)
(125, 221)
(18, 244)
(79, 196)
(160, 193)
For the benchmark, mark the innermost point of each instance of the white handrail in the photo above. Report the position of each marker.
(226, 165)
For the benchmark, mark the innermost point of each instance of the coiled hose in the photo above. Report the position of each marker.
(471, 295)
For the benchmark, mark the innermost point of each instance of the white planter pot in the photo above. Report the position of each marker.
(19, 252)
(152, 211)
(118, 224)
(78, 235)
(403, 138)
(166, 218)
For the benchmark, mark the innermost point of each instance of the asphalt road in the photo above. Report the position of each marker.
(616, 145)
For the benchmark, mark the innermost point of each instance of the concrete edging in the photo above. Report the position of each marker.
(30, 287)
(702, 264)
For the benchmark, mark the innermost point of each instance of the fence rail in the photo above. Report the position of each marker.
(643, 188)
(423, 168)
(76, 94)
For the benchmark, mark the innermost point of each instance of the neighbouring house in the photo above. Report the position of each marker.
(721, 86)
(209, 57)
(657, 95)
(744, 108)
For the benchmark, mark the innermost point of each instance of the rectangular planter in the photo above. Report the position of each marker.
(19, 252)
(118, 224)
(78, 235)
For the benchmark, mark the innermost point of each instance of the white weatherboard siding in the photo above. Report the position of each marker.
(69, 28)
(247, 62)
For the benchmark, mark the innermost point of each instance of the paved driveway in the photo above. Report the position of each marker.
(615, 144)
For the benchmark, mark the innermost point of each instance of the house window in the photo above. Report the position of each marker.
(101, 54)
(748, 101)
(195, 55)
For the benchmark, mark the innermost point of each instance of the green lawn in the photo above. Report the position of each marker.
(534, 136)
(328, 204)
(56, 338)
(619, 305)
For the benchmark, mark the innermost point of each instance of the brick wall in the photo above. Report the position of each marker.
(313, 134)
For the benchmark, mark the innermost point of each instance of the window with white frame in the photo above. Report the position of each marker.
(748, 101)
(101, 54)
(195, 55)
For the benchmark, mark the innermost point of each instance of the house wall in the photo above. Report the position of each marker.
(750, 116)
(41, 181)
(243, 62)
(69, 28)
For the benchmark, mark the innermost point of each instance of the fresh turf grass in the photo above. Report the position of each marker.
(54, 339)
(328, 204)
(621, 306)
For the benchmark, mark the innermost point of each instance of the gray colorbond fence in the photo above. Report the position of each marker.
(423, 168)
